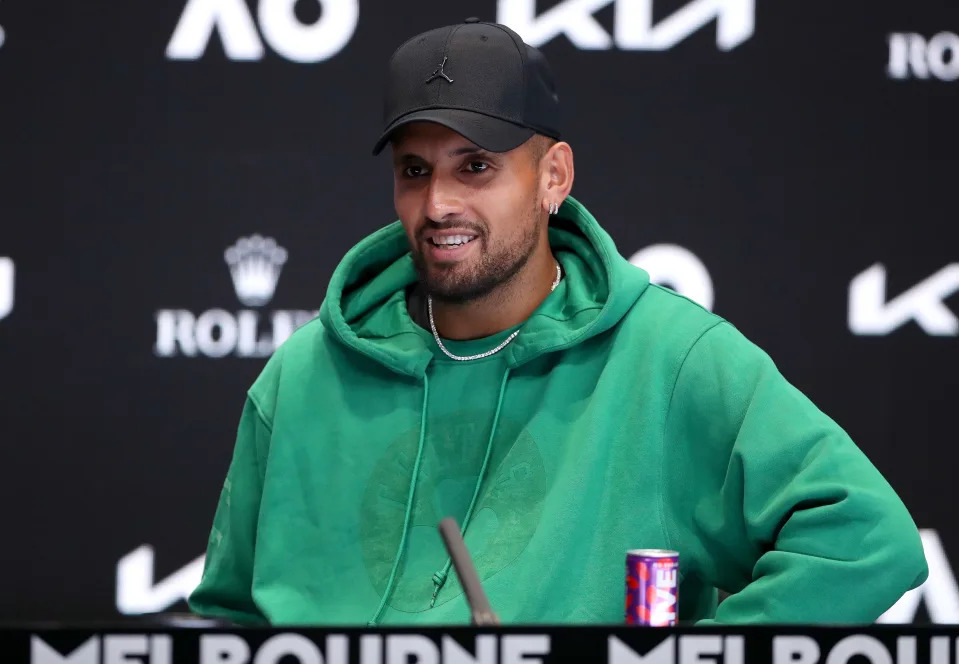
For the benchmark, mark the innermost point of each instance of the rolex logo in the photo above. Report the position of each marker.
(255, 264)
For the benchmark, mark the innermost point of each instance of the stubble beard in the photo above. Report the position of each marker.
(494, 269)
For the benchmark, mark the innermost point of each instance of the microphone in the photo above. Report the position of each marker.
(475, 595)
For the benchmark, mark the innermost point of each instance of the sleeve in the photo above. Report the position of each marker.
(770, 500)
(225, 589)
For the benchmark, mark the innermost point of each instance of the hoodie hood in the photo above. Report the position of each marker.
(365, 305)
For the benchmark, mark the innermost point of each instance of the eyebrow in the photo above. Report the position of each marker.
(469, 149)
(465, 150)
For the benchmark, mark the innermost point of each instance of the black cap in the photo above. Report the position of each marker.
(479, 79)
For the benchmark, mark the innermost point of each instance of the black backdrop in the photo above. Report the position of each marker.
(817, 141)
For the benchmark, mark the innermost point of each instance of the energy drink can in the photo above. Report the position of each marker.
(652, 587)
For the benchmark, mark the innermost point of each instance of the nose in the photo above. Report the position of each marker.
(443, 199)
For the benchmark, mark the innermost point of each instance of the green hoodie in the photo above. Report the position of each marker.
(623, 416)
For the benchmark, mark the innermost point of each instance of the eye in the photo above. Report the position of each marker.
(477, 166)
(413, 171)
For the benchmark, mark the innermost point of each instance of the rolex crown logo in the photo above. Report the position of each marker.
(255, 264)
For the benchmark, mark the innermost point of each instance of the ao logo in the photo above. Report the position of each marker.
(278, 22)
(633, 28)
(677, 268)
(6, 287)
(913, 56)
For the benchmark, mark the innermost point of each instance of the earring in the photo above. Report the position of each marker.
(553, 208)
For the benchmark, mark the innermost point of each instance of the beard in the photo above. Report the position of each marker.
(462, 283)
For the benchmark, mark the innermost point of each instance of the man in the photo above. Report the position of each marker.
(493, 358)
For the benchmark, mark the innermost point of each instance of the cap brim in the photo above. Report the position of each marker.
(485, 131)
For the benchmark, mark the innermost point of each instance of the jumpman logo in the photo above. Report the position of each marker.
(439, 72)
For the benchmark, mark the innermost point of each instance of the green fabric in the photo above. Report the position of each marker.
(625, 417)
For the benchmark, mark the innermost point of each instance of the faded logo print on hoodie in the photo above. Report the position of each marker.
(506, 515)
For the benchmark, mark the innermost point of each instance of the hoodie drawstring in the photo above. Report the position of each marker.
(439, 578)
(409, 505)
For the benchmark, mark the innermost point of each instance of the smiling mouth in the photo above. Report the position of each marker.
(452, 241)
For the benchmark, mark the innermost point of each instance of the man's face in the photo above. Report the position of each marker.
(472, 217)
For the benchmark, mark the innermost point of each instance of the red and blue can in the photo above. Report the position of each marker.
(652, 587)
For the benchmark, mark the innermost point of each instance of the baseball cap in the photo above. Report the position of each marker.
(477, 78)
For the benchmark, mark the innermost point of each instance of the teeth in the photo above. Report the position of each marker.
(452, 240)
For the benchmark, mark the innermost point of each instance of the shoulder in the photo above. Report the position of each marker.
(669, 319)
(667, 304)
(689, 337)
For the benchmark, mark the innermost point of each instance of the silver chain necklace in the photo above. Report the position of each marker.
(465, 358)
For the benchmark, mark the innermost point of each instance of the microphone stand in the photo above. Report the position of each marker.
(479, 604)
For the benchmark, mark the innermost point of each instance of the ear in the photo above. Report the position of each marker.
(557, 174)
